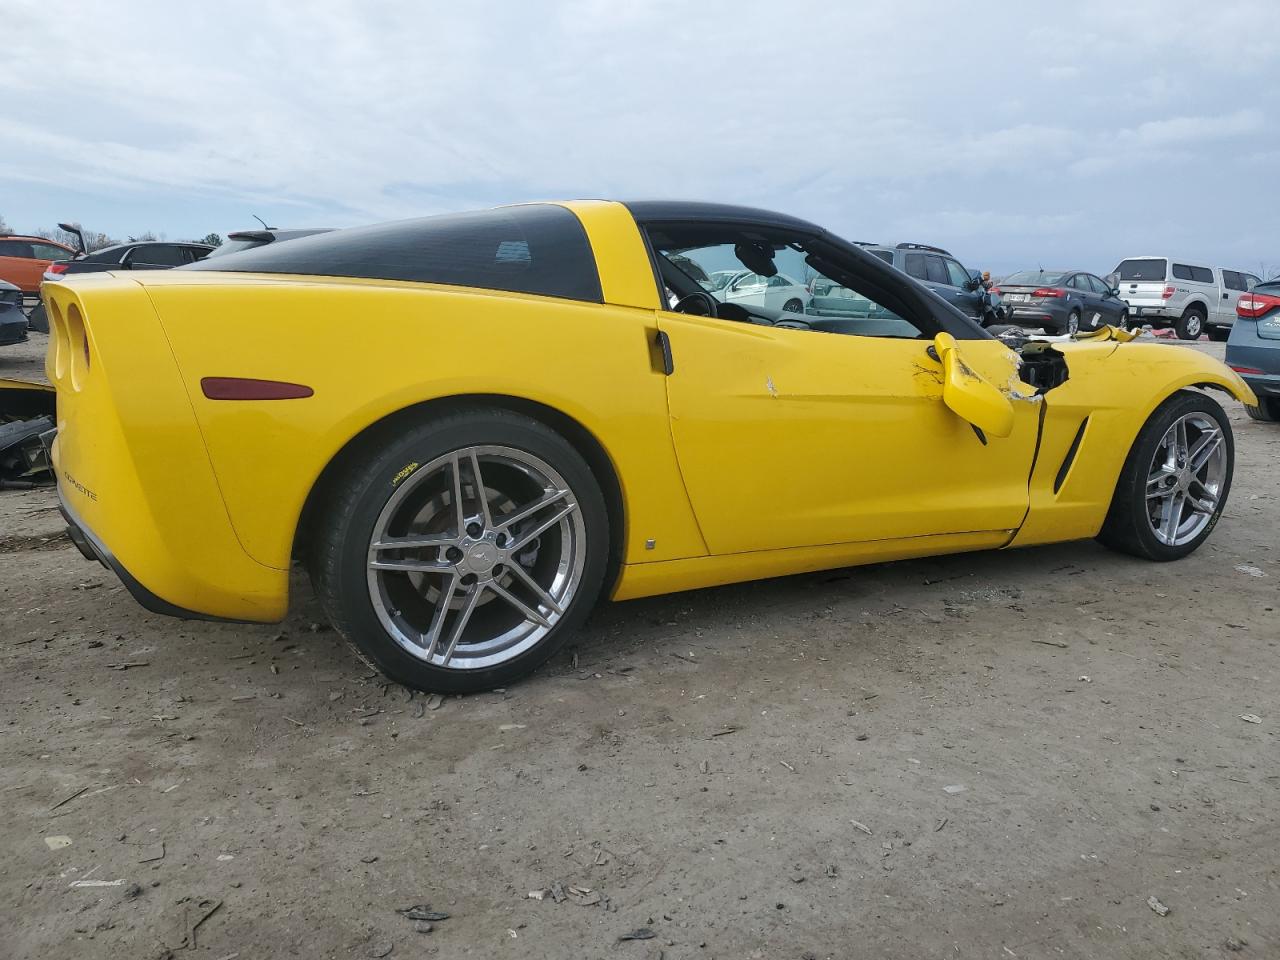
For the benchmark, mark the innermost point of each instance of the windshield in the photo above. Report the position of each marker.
(1032, 278)
(1141, 269)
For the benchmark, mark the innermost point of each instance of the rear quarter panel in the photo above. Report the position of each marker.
(371, 348)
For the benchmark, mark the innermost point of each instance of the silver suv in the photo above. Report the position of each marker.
(1192, 299)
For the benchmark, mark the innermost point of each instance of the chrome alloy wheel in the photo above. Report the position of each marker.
(1184, 482)
(476, 557)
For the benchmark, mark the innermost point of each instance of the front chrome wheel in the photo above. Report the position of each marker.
(1185, 479)
(476, 557)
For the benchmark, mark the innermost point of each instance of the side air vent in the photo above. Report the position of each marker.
(1070, 458)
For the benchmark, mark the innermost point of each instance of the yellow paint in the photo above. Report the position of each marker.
(796, 450)
(968, 395)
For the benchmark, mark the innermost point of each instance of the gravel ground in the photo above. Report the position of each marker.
(995, 755)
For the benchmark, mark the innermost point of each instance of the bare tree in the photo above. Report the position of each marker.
(4, 227)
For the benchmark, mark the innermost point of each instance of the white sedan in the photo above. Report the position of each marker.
(778, 292)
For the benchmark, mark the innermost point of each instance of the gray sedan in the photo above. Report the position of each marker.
(1061, 301)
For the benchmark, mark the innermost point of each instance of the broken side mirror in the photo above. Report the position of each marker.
(968, 395)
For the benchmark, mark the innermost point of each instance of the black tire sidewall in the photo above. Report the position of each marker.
(341, 576)
(1183, 326)
(1130, 506)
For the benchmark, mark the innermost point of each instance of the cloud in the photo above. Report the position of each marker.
(870, 119)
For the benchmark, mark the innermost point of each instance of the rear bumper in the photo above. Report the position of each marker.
(1267, 385)
(94, 549)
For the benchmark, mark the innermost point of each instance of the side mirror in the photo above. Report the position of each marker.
(970, 397)
(973, 283)
(1115, 291)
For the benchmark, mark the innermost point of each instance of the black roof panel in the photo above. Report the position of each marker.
(674, 211)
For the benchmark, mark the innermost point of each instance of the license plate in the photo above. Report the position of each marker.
(1017, 298)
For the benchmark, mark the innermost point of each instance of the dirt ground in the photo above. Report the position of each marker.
(994, 755)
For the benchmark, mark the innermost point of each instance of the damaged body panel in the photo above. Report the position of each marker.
(26, 421)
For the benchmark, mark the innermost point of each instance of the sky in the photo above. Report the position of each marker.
(1015, 134)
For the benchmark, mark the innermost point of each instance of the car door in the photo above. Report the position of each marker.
(1111, 307)
(794, 437)
(966, 296)
(1233, 284)
(750, 288)
(19, 266)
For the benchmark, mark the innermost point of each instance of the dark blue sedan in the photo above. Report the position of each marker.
(1253, 349)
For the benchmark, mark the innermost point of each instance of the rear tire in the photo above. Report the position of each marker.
(1130, 526)
(1191, 324)
(490, 584)
(1267, 410)
(1073, 323)
(1219, 334)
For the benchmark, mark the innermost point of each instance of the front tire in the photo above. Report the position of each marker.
(460, 554)
(1175, 481)
(1191, 324)
(793, 306)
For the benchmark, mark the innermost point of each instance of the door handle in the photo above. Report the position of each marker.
(664, 347)
(1226, 296)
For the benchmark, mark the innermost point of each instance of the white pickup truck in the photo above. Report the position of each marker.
(1192, 299)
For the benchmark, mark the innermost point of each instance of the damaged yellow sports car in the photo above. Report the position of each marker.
(472, 427)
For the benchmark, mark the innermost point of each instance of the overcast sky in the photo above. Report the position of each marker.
(1014, 133)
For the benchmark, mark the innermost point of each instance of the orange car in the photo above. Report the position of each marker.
(23, 260)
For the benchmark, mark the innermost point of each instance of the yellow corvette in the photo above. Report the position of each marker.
(471, 427)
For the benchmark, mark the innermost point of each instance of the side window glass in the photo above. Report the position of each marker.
(161, 255)
(914, 266)
(815, 289)
(957, 275)
(935, 269)
(16, 248)
(1181, 271)
(1099, 287)
(1202, 275)
(1251, 281)
(1232, 280)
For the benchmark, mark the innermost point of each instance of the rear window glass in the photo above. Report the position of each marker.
(1142, 269)
(537, 248)
(1271, 287)
(1032, 278)
(234, 246)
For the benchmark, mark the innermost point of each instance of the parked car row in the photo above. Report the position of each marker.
(27, 261)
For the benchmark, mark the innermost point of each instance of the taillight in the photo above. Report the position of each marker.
(1254, 305)
(1166, 293)
(1253, 370)
(1053, 293)
(994, 290)
(57, 268)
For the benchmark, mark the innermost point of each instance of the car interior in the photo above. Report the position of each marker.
(836, 295)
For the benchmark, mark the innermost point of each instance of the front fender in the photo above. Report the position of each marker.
(1168, 369)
